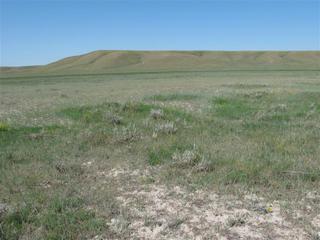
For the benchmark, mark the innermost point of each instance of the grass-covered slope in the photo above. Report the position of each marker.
(154, 61)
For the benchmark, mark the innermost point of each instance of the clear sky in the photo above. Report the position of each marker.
(39, 32)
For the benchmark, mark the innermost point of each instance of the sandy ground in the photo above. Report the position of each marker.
(157, 211)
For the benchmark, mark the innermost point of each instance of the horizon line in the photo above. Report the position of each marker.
(150, 50)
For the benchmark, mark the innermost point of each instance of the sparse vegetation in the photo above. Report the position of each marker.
(67, 163)
(187, 158)
(166, 128)
(113, 118)
(173, 97)
(156, 113)
(126, 134)
(237, 220)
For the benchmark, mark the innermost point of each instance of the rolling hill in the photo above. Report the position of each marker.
(157, 61)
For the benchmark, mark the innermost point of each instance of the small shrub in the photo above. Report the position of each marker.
(205, 166)
(238, 220)
(119, 225)
(3, 209)
(175, 223)
(156, 113)
(166, 128)
(312, 110)
(126, 134)
(162, 154)
(316, 236)
(280, 108)
(113, 118)
(72, 169)
(188, 157)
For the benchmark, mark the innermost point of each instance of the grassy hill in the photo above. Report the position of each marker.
(154, 61)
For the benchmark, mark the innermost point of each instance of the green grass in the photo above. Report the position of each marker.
(231, 108)
(3, 127)
(172, 97)
(271, 150)
(53, 149)
(163, 154)
(61, 218)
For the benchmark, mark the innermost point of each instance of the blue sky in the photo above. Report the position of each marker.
(39, 32)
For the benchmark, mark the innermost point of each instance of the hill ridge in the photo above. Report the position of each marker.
(106, 61)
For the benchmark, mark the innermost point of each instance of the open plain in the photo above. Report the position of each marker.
(162, 145)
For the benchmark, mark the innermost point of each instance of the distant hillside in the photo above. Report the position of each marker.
(154, 61)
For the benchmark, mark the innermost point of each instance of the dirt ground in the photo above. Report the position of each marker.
(156, 211)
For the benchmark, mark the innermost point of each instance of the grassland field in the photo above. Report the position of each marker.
(161, 155)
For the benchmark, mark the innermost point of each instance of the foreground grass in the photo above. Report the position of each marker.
(262, 141)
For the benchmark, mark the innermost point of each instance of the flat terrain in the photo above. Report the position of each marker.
(211, 154)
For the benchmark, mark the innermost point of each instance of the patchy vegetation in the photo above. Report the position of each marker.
(60, 218)
(102, 170)
(173, 97)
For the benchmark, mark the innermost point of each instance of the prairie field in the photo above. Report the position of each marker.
(221, 154)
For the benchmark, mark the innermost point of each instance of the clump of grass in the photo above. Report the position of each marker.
(257, 94)
(72, 169)
(173, 97)
(238, 220)
(126, 134)
(119, 225)
(97, 137)
(276, 113)
(62, 218)
(36, 136)
(231, 108)
(316, 236)
(205, 165)
(114, 118)
(134, 107)
(4, 208)
(158, 156)
(174, 114)
(85, 114)
(156, 113)
(66, 218)
(166, 128)
(188, 157)
(312, 110)
(175, 223)
(280, 107)
(3, 127)
(163, 153)
(14, 223)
